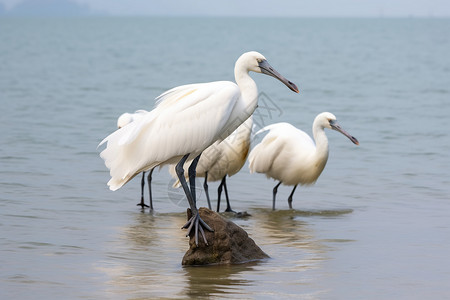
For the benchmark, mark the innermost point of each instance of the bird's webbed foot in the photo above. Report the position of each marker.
(197, 224)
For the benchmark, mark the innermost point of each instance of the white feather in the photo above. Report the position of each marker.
(186, 121)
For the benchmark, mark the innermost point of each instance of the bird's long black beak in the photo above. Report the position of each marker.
(267, 69)
(334, 125)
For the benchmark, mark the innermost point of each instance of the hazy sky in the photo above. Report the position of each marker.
(356, 8)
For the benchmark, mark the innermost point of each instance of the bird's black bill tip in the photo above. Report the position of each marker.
(293, 87)
(351, 138)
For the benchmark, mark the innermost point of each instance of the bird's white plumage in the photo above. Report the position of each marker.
(228, 156)
(290, 155)
(287, 154)
(186, 120)
(127, 118)
(222, 158)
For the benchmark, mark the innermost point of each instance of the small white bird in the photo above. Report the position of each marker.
(221, 159)
(187, 120)
(289, 155)
(123, 120)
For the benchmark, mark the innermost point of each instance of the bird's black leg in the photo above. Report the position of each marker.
(192, 173)
(219, 194)
(205, 186)
(195, 220)
(275, 190)
(290, 197)
(149, 181)
(142, 204)
(179, 169)
(226, 195)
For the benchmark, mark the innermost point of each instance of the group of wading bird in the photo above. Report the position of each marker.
(206, 128)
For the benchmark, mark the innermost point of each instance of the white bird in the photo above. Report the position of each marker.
(222, 158)
(186, 121)
(289, 155)
(123, 120)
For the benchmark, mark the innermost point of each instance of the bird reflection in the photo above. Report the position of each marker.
(140, 260)
(153, 232)
(289, 227)
(281, 227)
(144, 261)
(142, 232)
(217, 280)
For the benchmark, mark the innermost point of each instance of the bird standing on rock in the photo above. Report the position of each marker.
(289, 155)
(186, 121)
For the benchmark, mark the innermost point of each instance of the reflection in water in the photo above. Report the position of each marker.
(297, 253)
(144, 261)
(217, 280)
(141, 235)
(289, 226)
(282, 226)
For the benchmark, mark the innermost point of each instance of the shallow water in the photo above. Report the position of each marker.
(375, 225)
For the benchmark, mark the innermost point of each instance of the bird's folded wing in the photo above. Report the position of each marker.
(186, 120)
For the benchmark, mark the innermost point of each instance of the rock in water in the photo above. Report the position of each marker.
(228, 244)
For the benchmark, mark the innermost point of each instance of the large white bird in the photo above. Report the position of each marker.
(186, 121)
(222, 159)
(123, 120)
(289, 155)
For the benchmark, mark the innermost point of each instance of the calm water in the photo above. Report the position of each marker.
(375, 226)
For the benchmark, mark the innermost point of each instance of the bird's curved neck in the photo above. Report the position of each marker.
(248, 88)
(321, 141)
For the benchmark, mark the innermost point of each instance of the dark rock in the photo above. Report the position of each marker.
(228, 244)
